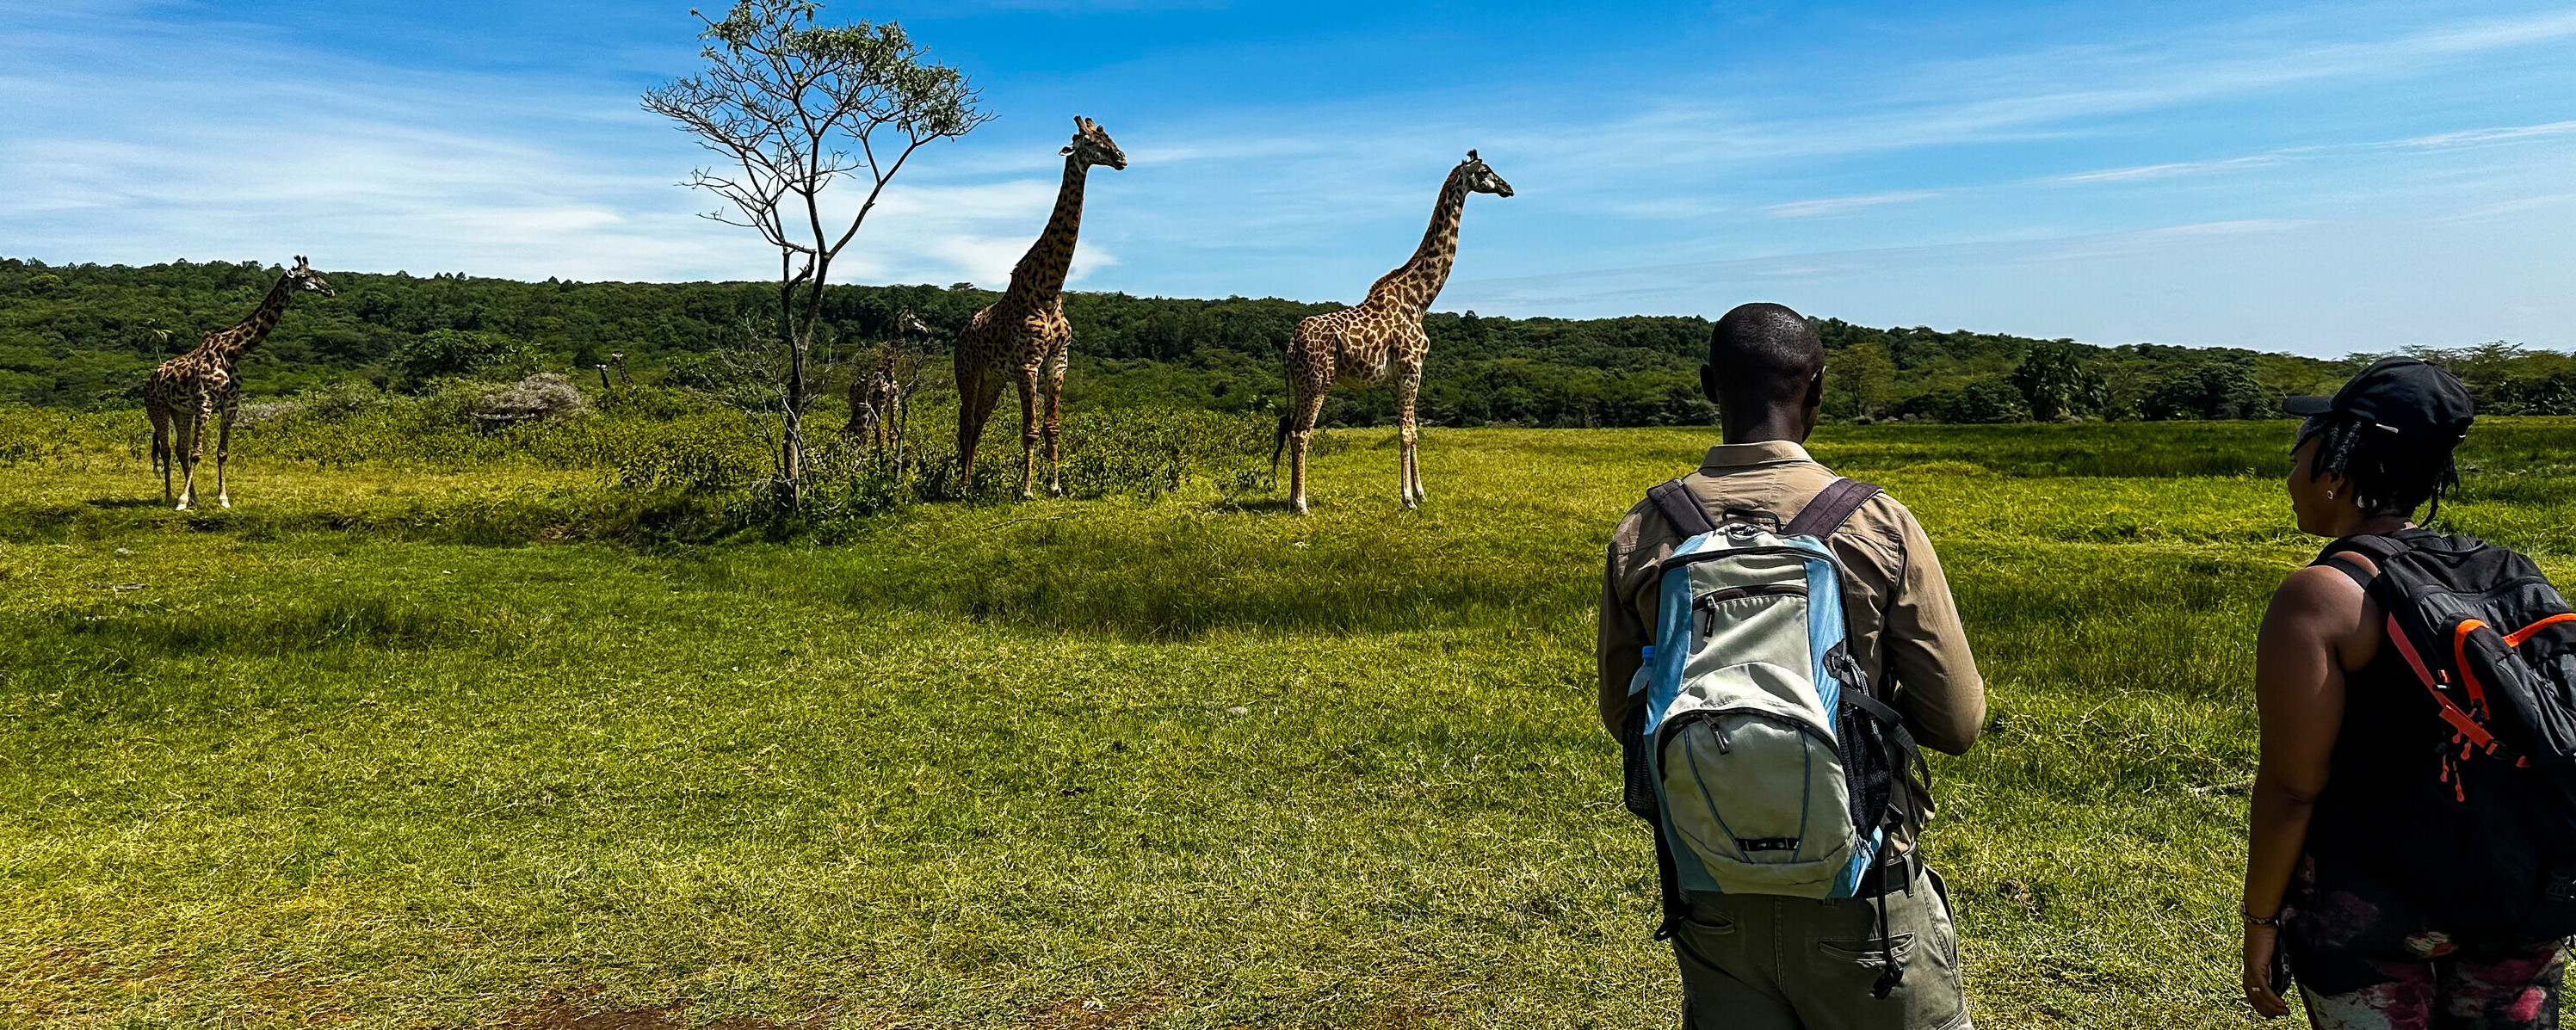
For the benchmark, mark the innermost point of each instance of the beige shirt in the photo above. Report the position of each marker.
(1904, 627)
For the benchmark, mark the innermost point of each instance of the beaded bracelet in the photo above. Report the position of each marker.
(2273, 920)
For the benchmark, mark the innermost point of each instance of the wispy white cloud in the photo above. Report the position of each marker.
(2166, 170)
(1845, 205)
(2438, 141)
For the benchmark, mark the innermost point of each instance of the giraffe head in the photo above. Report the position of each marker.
(305, 278)
(1481, 177)
(1092, 146)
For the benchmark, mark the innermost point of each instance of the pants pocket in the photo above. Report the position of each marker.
(1847, 963)
(1949, 916)
(1707, 922)
(1866, 952)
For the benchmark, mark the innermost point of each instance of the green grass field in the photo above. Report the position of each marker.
(393, 744)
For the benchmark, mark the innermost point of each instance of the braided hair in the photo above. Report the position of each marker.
(2390, 475)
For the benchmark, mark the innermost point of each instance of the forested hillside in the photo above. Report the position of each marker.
(82, 336)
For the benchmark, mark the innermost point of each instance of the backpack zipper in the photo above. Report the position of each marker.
(1704, 608)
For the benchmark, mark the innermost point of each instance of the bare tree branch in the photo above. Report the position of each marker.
(785, 99)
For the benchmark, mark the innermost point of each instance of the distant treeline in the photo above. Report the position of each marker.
(82, 336)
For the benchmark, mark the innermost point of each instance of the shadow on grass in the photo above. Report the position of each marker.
(1181, 575)
(1252, 506)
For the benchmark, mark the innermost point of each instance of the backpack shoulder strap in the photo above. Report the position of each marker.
(2376, 548)
(1680, 508)
(1831, 508)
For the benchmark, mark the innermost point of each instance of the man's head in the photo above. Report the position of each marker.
(1765, 372)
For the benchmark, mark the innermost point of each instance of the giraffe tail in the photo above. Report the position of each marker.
(1281, 444)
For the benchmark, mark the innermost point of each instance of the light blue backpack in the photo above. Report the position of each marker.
(1755, 749)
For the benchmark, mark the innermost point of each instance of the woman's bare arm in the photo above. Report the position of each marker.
(2299, 661)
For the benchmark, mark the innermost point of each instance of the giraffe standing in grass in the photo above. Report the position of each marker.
(187, 391)
(876, 397)
(1023, 339)
(1381, 337)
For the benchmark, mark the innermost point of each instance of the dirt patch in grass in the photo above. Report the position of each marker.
(562, 1013)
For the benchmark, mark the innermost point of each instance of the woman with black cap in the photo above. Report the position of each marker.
(2354, 743)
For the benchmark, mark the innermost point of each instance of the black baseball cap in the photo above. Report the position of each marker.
(2411, 397)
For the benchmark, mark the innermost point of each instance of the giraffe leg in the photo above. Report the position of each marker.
(223, 449)
(893, 430)
(161, 449)
(1410, 474)
(1055, 418)
(188, 447)
(1029, 431)
(1310, 407)
(976, 392)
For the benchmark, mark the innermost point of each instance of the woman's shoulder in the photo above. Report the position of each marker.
(2327, 604)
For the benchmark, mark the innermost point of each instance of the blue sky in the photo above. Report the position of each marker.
(2318, 178)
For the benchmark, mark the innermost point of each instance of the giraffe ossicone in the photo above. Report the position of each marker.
(1023, 338)
(1379, 338)
(186, 392)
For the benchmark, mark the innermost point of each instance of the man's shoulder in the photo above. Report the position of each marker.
(1883, 521)
(1631, 530)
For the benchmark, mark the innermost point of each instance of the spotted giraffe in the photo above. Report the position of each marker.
(876, 397)
(188, 390)
(1023, 338)
(1380, 337)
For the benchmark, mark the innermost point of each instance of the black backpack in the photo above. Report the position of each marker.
(2487, 841)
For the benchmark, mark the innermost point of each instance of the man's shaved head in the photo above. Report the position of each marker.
(1763, 361)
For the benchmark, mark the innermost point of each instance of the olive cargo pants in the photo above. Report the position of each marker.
(1763, 962)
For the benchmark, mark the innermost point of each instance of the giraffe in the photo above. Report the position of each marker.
(1023, 337)
(188, 390)
(1382, 336)
(876, 398)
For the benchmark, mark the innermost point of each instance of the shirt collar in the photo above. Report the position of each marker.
(1767, 452)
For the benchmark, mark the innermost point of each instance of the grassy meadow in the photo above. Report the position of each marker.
(413, 741)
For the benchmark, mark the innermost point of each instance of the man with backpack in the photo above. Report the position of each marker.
(1774, 640)
(2412, 853)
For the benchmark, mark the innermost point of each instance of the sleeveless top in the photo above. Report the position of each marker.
(2391, 741)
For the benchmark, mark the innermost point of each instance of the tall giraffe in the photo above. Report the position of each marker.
(1023, 337)
(1381, 336)
(186, 391)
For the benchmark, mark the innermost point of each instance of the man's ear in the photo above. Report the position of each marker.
(1708, 382)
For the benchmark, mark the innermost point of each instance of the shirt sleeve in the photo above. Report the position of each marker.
(1925, 647)
(1616, 649)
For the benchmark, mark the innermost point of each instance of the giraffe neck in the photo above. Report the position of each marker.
(1417, 282)
(231, 343)
(1039, 277)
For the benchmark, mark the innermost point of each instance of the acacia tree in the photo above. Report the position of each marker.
(793, 106)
